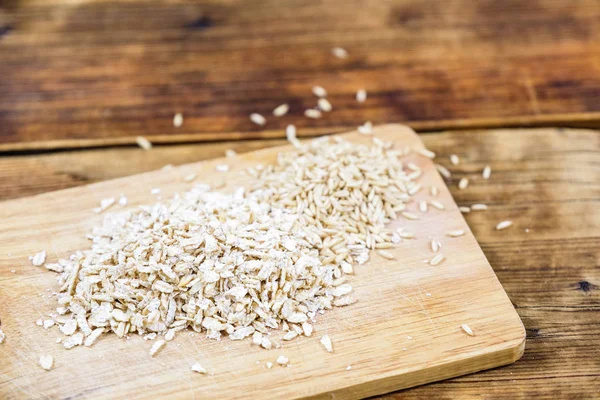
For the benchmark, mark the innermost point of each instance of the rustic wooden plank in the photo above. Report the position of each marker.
(100, 73)
(404, 330)
(550, 274)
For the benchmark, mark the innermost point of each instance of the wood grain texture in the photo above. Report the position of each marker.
(96, 73)
(403, 331)
(547, 180)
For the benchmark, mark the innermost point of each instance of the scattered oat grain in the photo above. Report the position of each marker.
(437, 259)
(38, 259)
(426, 153)
(339, 52)
(503, 225)
(443, 171)
(455, 233)
(324, 105)
(463, 183)
(479, 207)
(467, 329)
(281, 110)
(258, 119)
(454, 159)
(143, 143)
(313, 113)
(487, 172)
(361, 95)
(319, 91)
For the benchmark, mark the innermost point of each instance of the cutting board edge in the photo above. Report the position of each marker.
(241, 156)
(509, 352)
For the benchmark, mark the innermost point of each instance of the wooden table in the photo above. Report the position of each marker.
(91, 73)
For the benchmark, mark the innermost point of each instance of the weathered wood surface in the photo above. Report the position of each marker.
(88, 73)
(546, 180)
(404, 330)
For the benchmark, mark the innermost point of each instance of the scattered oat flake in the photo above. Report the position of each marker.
(46, 362)
(503, 225)
(326, 342)
(324, 105)
(197, 367)
(258, 119)
(361, 95)
(454, 159)
(122, 201)
(467, 329)
(156, 346)
(464, 209)
(189, 177)
(487, 172)
(230, 153)
(437, 259)
(91, 339)
(455, 233)
(143, 143)
(349, 367)
(38, 259)
(282, 360)
(222, 167)
(426, 153)
(155, 191)
(319, 91)
(281, 110)
(313, 113)
(339, 52)
(178, 120)
(47, 324)
(463, 183)
(366, 128)
(269, 365)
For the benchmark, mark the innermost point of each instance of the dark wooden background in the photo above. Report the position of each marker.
(86, 73)
(100, 72)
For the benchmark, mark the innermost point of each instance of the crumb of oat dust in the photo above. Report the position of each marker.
(211, 262)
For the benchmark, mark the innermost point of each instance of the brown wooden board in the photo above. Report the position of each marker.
(404, 330)
(103, 72)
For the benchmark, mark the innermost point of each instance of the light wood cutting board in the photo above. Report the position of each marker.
(405, 329)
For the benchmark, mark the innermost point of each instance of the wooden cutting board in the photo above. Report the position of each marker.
(405, 329)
